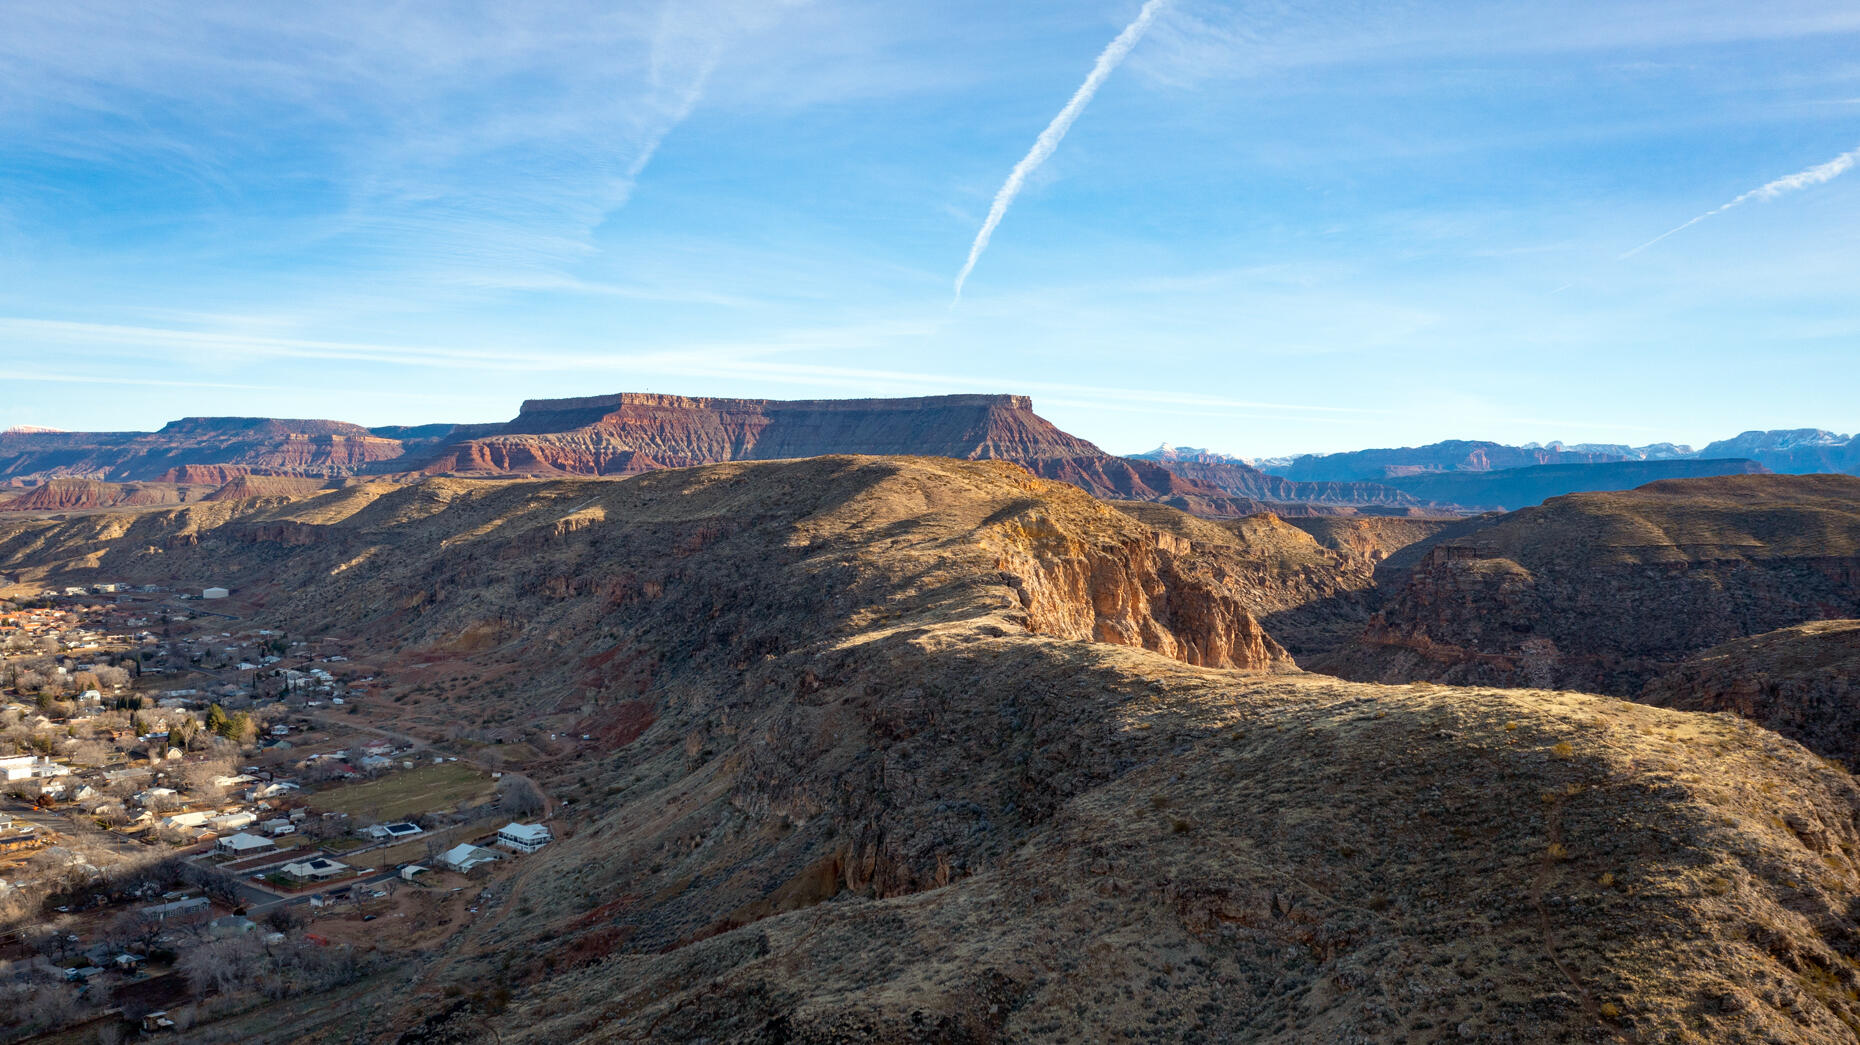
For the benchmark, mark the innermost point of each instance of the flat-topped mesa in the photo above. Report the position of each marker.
(636, 432)
(262, 427)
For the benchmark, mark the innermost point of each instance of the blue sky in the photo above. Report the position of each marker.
(1275, 228)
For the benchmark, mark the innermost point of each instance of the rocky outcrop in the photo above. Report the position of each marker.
(1802, 682)
(68, 494)
(1311, 581)
(1139, 588)
(1604, 591)
(241, 487)
(208, 474)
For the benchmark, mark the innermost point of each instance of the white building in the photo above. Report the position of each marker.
(316, 869)
(214, 593)
(25, 767)
(524, 838)
(465, 856)
(233, 821)
(244, 844)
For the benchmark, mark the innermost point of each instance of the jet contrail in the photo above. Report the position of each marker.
(1049, 139)
(1816, 175)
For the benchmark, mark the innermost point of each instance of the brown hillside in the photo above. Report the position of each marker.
(857, 770)
(1802, 682)
(1603, 591)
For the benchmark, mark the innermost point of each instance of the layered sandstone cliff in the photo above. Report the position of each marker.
(630, 433)
(280, 446)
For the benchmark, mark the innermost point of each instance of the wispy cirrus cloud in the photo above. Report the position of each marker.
(1820, 174)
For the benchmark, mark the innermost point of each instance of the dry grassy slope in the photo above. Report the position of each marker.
(1372, 537)
(1604, 591)
(1290, 859)
(1734, 517)
(841, 791)
(1802, 682)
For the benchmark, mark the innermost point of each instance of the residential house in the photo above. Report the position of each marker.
(316, 869)
(231, 925)
(194, 818)
(523, 838)
(176, 908)
(244, 844)
(154, 795)
(236, 821)
(392, 832)
(465, 856)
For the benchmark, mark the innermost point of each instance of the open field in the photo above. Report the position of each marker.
(424, 789)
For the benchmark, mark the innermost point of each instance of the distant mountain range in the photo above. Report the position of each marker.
(1791, 451)
(629, 433)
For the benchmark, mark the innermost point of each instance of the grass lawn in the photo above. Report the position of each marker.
(408, 793)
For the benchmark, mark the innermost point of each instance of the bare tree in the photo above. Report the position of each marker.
(518, 797)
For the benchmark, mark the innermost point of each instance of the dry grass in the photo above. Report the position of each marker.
(408, 793)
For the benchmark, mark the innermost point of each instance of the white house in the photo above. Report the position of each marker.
(214, 593)
(465, 856)
(277, 827)
(393, 832)
(408, 872)
(242, 844)
(315, 869)
(154, 794)
(233, 821)
(524, 838)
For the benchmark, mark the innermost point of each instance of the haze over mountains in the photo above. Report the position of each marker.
(1794, 451)
(631, 433)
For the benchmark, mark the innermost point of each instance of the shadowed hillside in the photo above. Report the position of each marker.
(1603, 591)
(1802, 682)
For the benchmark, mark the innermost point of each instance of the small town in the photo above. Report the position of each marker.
(195, 820)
